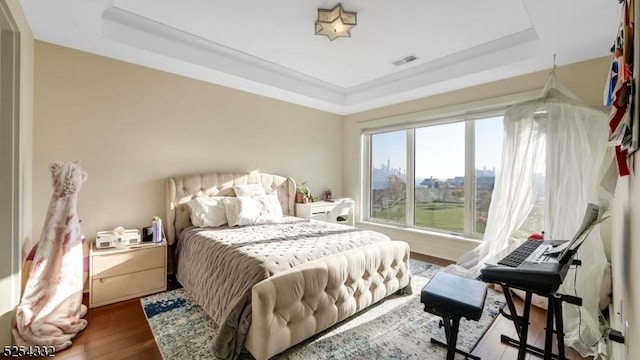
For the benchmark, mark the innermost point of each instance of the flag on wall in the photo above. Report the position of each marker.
(619, 91)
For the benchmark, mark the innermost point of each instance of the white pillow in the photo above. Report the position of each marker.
(253, 210)
(207, 211)
(250, 190)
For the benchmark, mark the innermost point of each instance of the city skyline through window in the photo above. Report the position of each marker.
(389, 151)
(442, 183)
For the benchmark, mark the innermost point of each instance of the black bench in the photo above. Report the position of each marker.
(453, 297)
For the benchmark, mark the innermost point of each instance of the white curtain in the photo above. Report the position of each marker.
(559, 136)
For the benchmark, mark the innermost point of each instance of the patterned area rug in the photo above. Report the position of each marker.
(396, 328)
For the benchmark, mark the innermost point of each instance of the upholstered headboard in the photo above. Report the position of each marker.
(181, 189)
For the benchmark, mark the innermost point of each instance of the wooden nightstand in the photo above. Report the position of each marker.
(118, 274)
(338, 211)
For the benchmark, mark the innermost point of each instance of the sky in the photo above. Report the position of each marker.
(440, 148)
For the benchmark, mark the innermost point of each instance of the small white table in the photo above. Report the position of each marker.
(338, 211)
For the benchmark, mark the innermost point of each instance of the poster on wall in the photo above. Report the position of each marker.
(627, 135)
(630, 140)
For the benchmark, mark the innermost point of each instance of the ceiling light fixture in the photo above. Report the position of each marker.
(336, 22)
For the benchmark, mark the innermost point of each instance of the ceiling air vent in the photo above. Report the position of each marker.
(404, 60)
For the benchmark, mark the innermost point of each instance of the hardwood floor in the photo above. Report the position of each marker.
(120, 331)
(117, 331)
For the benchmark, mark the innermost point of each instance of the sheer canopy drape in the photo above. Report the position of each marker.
(558, 136)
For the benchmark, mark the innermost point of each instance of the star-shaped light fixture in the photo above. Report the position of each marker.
(336, 22)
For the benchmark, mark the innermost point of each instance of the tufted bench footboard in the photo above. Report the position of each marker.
(298, 303)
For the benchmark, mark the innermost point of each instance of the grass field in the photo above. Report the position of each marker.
(442, 216)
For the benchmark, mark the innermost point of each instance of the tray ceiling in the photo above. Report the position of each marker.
(269, 47)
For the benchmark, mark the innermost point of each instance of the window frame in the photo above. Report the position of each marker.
(469, 119)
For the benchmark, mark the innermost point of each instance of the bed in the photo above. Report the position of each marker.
(270, 286)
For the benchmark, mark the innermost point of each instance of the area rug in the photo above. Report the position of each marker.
(396, 328)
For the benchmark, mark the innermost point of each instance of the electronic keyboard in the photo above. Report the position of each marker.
(533, 266)
(540, 266)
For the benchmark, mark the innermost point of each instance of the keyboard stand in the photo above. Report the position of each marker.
(521, 323)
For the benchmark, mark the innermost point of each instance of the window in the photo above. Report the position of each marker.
(439, 185)
(388, 176)
(488, 151)
(534, 223)
(438, 177)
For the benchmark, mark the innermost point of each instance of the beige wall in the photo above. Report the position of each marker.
(585, 79)
(132, 127)
(625, 264)
(26, 138)
(10, 246)
(630, 273)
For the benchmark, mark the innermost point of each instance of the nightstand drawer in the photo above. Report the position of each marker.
(320, 216)
(128, 285)
(128, 262)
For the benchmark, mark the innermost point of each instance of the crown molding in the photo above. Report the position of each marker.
(232, 68)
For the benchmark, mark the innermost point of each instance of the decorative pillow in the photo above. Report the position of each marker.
(207, 211)
(250, 190)
(253, 210)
